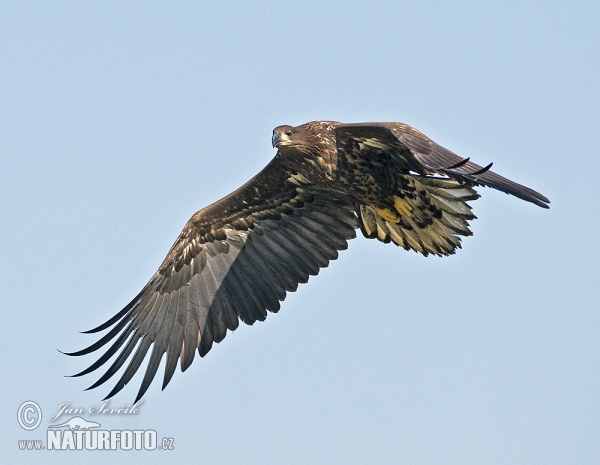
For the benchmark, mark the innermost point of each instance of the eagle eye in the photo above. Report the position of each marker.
(289, 133)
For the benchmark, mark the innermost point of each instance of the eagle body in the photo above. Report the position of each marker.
(237, 258)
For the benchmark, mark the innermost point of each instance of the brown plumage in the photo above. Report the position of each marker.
(238, 257)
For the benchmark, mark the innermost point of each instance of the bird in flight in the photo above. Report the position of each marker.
(237, 258)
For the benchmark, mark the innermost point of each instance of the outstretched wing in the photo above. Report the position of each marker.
(417, 153)
(234, 260)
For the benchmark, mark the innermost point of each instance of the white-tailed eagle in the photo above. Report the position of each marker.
(237, 258)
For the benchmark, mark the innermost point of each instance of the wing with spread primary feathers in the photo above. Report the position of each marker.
(420, 154)
(234, 260)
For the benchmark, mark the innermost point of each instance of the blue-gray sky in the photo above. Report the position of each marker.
(118, 122)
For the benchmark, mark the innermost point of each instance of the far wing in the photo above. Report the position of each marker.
(234, 260)
(416, 152)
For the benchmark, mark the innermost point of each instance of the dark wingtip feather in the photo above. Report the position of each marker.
(111, 395)
(482, 170)
(138, 397)
(543, 205)
(101, 381)
(459, 164)
(85, 351)
(111, 321)
(143, 388)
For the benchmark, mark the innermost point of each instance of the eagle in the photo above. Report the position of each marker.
(237, 258)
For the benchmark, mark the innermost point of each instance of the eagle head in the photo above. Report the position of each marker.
(310, 137)
(283, 135)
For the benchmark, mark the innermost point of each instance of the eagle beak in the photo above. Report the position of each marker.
(276, 138)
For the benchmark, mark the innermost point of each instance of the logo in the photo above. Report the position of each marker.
(77, 423)
(79, 433)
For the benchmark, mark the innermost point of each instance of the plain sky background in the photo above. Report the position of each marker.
(119, 120)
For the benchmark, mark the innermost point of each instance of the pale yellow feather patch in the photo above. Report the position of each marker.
(402, 206)
(387, 214)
